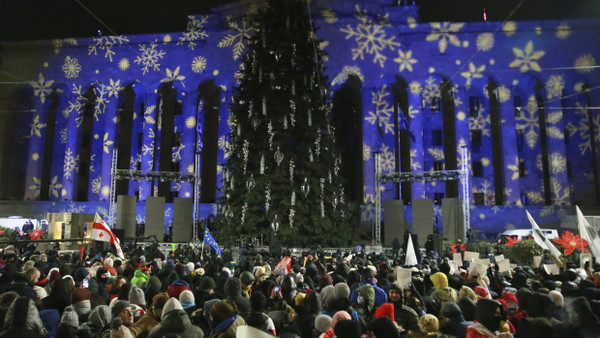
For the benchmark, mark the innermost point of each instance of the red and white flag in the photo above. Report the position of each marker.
(101, 232)
(284, 266)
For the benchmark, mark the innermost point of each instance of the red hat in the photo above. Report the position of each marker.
(386, 309)
(54, 275)
(481, 292)
(510, 297)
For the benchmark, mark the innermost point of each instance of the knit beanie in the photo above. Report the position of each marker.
(69, 317)
(206, 283)
(341, 290)
(439, 280)
(383, 327)
(246, 278)
(347, 329)
(339, 316)
(190, 266)
(178, 286)
(79, 294)
(180, 269)
(325, 280)
(53, 275)
(171, 305)
(40, 292)
(136, 296)
(480, 292)
(187, 300)
(386, 309)
(222, 310)
(159, 301)
(429, 323)
(466, 292)
(322, 323)
(557, 297)
(108, 261)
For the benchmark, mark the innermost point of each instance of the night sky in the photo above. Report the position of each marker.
(47, 19)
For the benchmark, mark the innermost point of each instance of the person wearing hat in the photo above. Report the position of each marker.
(365, 302)
(174, 321)
(404, 316)
(80, 300)
(123, 310)
(151, 319)
(246, 280)
(186, 298)
(488, 317)
(368, 276)
(442, 293)
(141, 275)
(225, 319)
(69, 323)
(382, 328)
(322, 324)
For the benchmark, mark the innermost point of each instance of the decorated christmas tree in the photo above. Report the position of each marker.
(283, 174)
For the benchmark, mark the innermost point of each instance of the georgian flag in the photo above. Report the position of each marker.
(587, 232)
(540, 239)
(101, 232)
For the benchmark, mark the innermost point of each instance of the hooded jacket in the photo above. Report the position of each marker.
(139, 277)
(23, 320)
(99, 322)
(176, 322)
(442, 293)
(486, 323)
(404, 315)
(455, 324)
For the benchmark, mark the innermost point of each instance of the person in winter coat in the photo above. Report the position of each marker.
(404, 316)
(69, 323)
(454, 323)
(7, 299)
(99, 322)
(488, 316)
(225, 319)
(382, 328)
(579, 320)
(365, 302)
(233, 290)
(80, 300)
(380, 295)
(151, 319)
(141, 276)
(175, 321)
(23, 320)
(257, 317)
(442, 293)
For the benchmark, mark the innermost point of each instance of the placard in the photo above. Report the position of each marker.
(503, 265)
(471, 256)
(454, 267)
(483, 261)
(551, 269)
(458, 258)
(499, 258)
(476, 269)
(537, 260)
(403, 277)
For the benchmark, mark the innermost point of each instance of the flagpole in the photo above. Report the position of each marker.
(202, 252)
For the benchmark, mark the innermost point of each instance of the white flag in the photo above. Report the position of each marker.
(101, 232)
(540, 239)
(411, 256)
(586, 232)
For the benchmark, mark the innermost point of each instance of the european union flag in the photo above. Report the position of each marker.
(208, 238)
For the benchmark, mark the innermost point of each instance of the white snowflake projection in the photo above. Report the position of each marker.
(329, 16)
(503, 93)
(555, 86)
(556, 161)
(96, 185)
(485, 161)
(528, 121)
(102, 93)
(102, 211)
(76, 105)
(526, 59)
(456, 96)
(382, 116)
(241, 32)
(106, 44)
(35, 187)
(70, 164)
(444, 33)
(63, 135)
(224, 145)
(487, 190)
(133, 161)
(585, 63)
(563, 31)
(366, 152)
(105, 191)
(473, 73)
(41, 87)
(74, 208)
(58, 44)
(168, 213)
(342, 76)
(514, 168)
(414, 164)
(124, 64)
(485, 41)
(150, 57)
(371, 38)
(195, 31)
(176, 156)
(388, 163)
(113, 88)
(560, 196)
(405, 60)
(190, 122)
(415, 87)
(174, 76)
(71, 68)
(36, 127)
(198, 64)
(509, 28)
(149, 114)
(481, 122)
(583, 128)
(190, 168)
(436, 153)
(54, 187)
(106, 143)
(413, 112)
(430, 90)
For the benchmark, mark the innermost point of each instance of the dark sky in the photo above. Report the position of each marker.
(47, 19)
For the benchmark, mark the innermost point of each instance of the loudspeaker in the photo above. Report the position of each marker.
(126, 210)
(155, 217)
(422, 217)
(394, 226)
(452, 219)
(182, 219)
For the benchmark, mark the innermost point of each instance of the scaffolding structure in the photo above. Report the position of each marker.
(461, 174)
(162, 176)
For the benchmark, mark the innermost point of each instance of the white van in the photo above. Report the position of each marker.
(525, 233)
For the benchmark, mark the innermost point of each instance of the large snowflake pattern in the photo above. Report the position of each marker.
(557, 163)
(383, 111)
(405, 60)
(71, 67)
(414, 164)
(106, 44)
(41, 87)
(555, 86)
(58, 44)
(36, 127)
(486, 189)
(74, 208)
(96, 185)
(371, 39)
(195, 31)
(585, 63)
(583, 128)
(444, 33)
(388, 162)
(70, 164)
(150, 57)
(430, 90)
(474, 72)
(36, 187)
(528, 120)
(480, 122)
(241, 31)
(527, 58)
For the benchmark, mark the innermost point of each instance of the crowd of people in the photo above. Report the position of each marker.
(188, 293)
